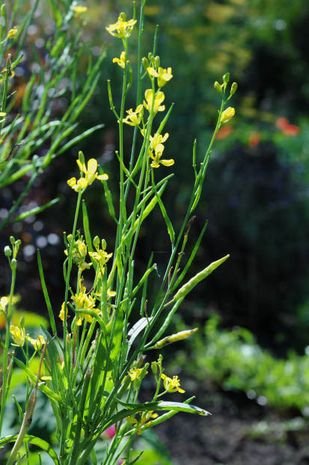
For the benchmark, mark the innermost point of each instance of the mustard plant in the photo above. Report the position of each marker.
(113, 327)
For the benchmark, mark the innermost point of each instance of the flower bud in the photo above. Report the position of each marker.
(7, 251)
(234, 88)
(218, 87)
(145, 62)
(226, 78)
(156, 61)
(227, 115)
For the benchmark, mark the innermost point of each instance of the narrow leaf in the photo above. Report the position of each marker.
(137, 329)
(46, 295)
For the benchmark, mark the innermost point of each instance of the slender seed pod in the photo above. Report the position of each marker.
(186, 288)
(174, 338)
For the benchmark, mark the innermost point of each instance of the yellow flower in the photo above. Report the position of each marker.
(135, 373)
(18, 335)
(156, 150)
(61, 313)
(163, 74)
(227, 115)
(158, 140)
(2, 114)
(143, 421)
(12, 33)
(122, 28)
(37, 343)
(134, 117)
(4, 301)
(90, 171)
(122, 61)
(81, 249)
(153, 101)
(101, 257)
(90, 175)
(172, 384)
(79, 10)
(84, 302)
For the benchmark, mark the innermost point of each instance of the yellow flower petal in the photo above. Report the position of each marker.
(102, 177)
(169, 162)
(92, 166)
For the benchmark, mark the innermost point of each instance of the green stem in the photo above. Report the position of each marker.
(5, 386)
(69, 268)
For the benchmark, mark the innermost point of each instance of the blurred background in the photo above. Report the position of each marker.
(250, 365)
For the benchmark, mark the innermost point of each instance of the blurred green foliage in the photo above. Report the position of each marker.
(234, 361)
(41, 97)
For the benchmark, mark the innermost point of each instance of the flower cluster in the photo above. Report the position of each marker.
(100, 256)
(19, 337)
(79, 252)
(122, 28)
(135, 373)
(85, 302)
(156, 150)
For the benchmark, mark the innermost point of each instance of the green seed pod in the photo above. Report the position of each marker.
(174, 338)
(186, 288)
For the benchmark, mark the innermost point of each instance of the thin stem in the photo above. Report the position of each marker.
(4, 387)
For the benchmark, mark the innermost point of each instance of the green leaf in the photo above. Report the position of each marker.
(167, 220)
(191, 257)
(46, 295)
(182, 407)
(35, 441)
(136, 329)
(155, 406)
